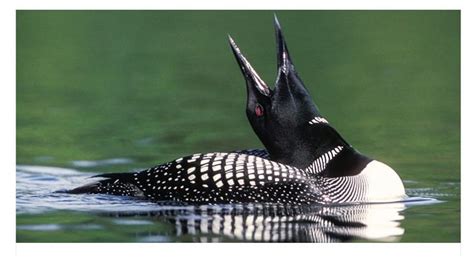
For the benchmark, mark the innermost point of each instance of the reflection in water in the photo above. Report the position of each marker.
(269, 223)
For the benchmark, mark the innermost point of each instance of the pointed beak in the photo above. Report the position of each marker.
(252, 78)
(288, 83)
(287, 76)
(283, 56)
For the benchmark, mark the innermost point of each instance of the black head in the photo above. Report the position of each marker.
(282, 117)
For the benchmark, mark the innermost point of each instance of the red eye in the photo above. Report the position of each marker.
(258, 110)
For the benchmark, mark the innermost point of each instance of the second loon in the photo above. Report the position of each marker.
(309, 162)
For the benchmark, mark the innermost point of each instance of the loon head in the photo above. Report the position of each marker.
(285, 119)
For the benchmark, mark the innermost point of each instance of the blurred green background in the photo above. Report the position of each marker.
(156, 85)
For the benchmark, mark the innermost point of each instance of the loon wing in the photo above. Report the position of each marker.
(213, 178)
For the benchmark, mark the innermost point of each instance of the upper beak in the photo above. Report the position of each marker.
(283, 56)
(287, 76)
(252, 78)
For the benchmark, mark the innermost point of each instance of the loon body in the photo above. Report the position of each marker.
(307, 160)
(241, 178)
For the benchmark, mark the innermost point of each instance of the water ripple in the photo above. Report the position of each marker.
(97, 163)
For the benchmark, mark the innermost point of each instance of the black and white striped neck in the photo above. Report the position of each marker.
(335, 157)
(339, 161)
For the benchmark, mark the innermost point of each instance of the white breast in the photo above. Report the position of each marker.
(383, 183)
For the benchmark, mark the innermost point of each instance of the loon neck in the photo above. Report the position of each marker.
(345, 162)
(323, 150)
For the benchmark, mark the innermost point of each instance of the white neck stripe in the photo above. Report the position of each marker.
(320, 164)
(317, 120)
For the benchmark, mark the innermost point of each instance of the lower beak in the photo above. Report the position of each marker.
(252, 78)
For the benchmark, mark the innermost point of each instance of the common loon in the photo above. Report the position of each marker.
(309, 162)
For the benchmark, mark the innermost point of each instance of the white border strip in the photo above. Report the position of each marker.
(240, 4)
(238, 249)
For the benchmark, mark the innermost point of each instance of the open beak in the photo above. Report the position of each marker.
(284, 63)
(251, 77)
(287, 78)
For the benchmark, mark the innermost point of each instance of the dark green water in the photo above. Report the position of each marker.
(145, 87)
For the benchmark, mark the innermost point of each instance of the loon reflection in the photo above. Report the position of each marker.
(278, 223)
